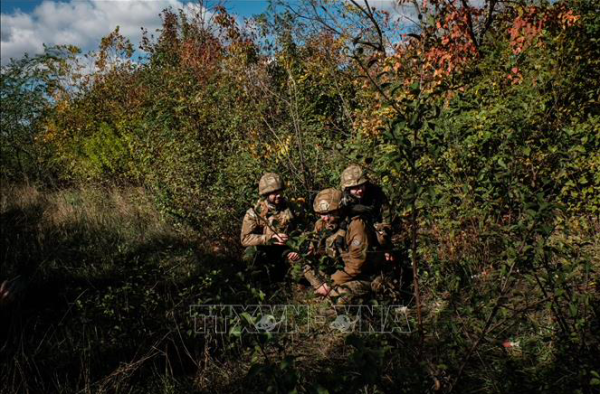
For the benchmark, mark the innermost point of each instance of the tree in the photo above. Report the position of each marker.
(29, 89)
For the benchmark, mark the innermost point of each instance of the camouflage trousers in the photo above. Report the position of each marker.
(346, 292)
(360, 288)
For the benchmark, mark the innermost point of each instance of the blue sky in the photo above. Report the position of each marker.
(240, 7)
(28, 24)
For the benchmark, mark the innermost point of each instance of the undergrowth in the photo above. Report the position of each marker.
(105, 286)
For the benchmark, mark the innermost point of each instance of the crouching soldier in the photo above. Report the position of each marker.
(353, 241)
(365, 199)
(328, 237)
(266, 226)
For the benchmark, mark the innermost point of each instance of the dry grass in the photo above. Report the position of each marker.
(86, 260)
(118, 209)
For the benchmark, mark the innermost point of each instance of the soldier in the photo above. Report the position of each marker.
(266, 226)
(355, 245)
(365, 199)
(328, 205)
(329, 237)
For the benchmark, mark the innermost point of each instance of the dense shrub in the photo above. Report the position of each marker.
(483, 127)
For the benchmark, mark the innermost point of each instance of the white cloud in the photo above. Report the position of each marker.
(396, 9)
(406, 12)
(81, 23)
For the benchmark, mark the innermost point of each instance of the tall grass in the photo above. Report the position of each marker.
(80, 230)
(100, 278)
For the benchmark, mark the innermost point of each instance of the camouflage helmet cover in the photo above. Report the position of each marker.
(353, 176)
(269, 183)
(327, 200)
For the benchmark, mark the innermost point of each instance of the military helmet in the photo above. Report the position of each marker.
(269, 183)
(353, 176)
(327, 200)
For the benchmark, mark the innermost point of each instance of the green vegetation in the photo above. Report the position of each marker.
(123, 191)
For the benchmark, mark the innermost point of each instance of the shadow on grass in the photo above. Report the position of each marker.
(105, 302)
(98, 307)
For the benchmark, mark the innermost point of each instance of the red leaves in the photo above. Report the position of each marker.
(456, 49)
(515, 76)
(567, 18)
(525, 30)
(530, 24)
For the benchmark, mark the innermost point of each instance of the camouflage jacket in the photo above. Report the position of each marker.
(331, 241)
(263, 220)
(360, 239)
(375, 209)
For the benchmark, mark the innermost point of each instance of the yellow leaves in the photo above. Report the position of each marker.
(278, 150)
(373, 125)
(351, 8)
(62, 105)
(387, 149)
(73, 50)
(282, 149)
(51, 132)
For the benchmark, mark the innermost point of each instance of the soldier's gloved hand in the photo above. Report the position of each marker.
(280, 239)
(293, 256)
(389, 257)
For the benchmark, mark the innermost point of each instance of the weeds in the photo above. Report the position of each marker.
(105, 279)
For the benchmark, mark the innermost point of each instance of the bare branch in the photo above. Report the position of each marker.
(470, 30)
(368, 12)
(489, 19)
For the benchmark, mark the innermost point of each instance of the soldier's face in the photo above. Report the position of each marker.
(275, 198)
(330, 218)
(357, 191)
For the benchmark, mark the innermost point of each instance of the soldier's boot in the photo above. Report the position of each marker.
(313, 277)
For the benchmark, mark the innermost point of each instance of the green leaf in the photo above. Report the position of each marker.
(235, 331)
(573, 310)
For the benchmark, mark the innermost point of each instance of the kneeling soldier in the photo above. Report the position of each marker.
(328, 236)
(364, 198)
(266, 226)
(355, 245)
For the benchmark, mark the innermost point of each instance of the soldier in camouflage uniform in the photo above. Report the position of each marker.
(355, 245)
(266, 226)
(328, 236)
(367, 200)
